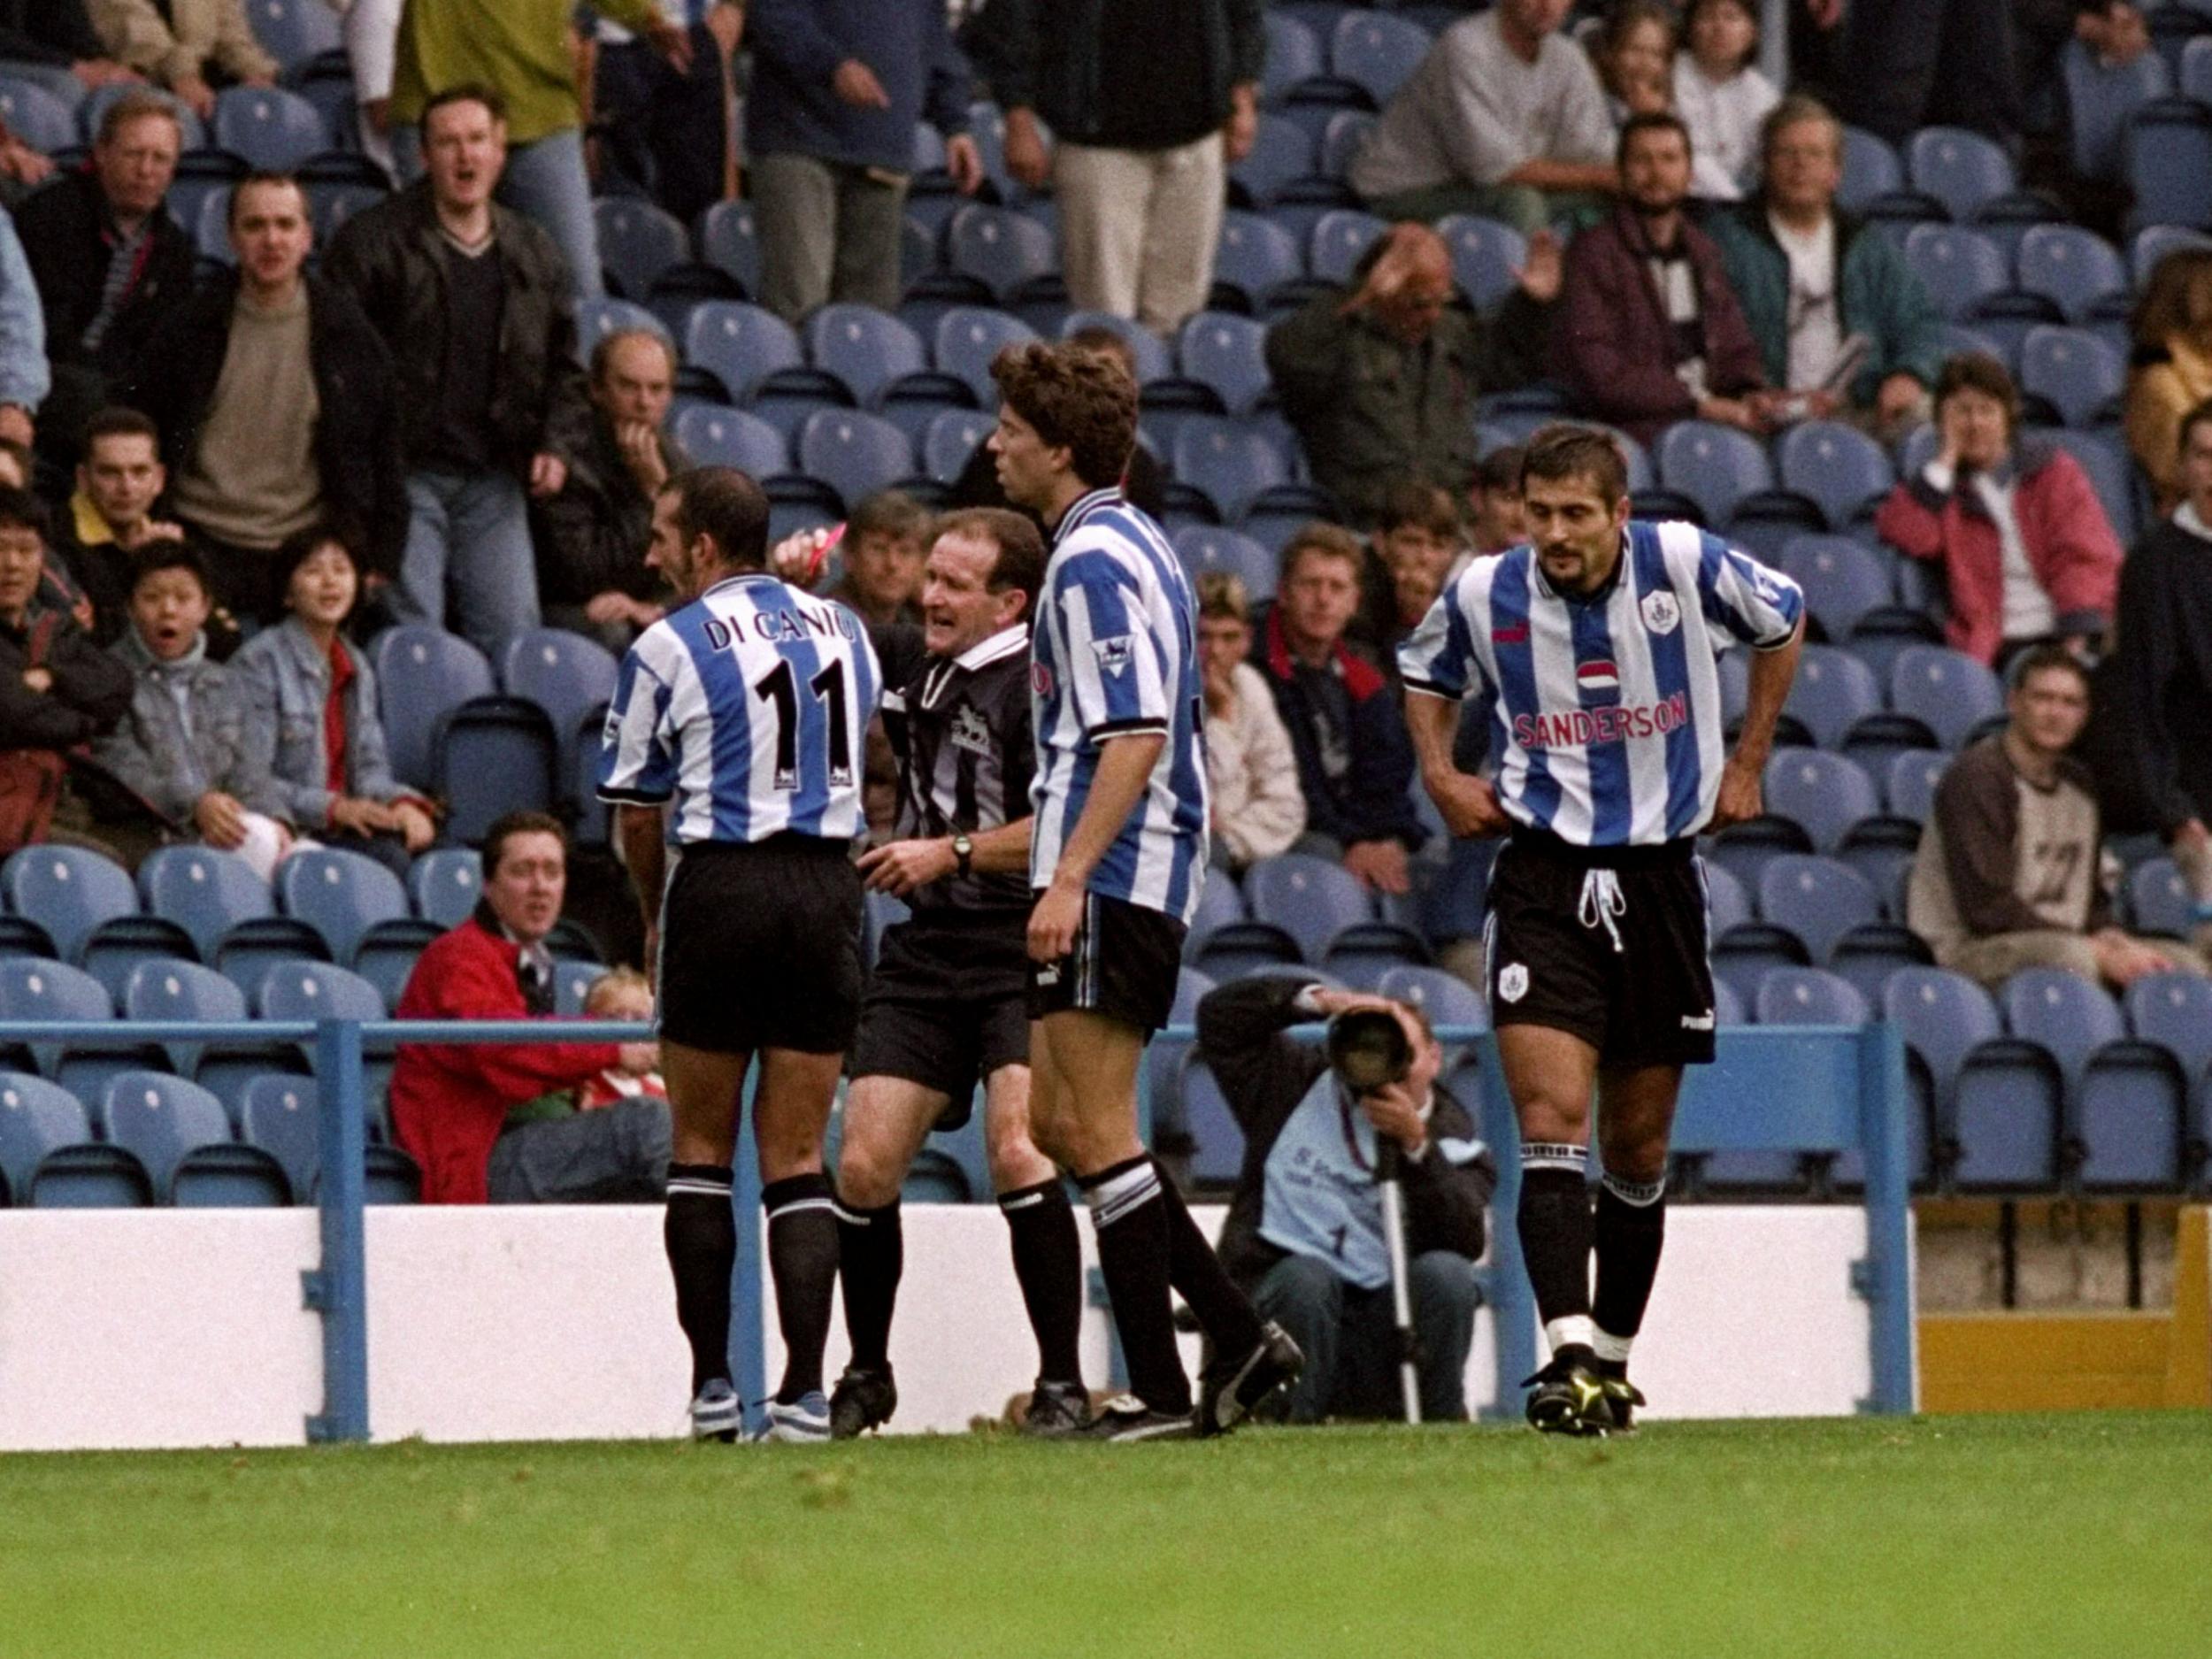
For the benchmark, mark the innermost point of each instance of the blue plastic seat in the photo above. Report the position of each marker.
(422, 674)
(1909, 790)
(342, 893)
(252, 948)
(1486, 257)
(2104, 458)
(1716, 466)
(1293, 54)
(854, 454)
(1963, 170)
(2074, 267)
(1232, 462)
(1833, 691)
(1809, 996)
(1145, 350)
(1376, 52)
(181, 993)
(715, 435)
(1825, 793)
(739, 344)
(1311, 899)
(951, 440)
(270, 129)
(2126, 1097)
(445, 885)
(2079, 375)
(1818, 899)
(387, 953)
(1872, 168)
(2167, 161)
(68, 891)
(968, 338)
(1254, 256)
(1446, 998)
(1226, 353)
(1000, 248)
(1844, 580)
(1947, 690)
(1340, 240)
(2160, 901)
(36, 116)
(563, 673)
(2102, 99)
(1727, 903)
(278, 1114)
(315, 991)
(37, 1118)
(117, 946)
(1281, 153)
(35, 990)
(1745, 953)
(294, 32)
(1204, 548)
(596, 319)
(864, 348)
(494, 756)
(637, 242)
(1341, 141)
(729, 239)
(1217, 1138)
(1232, 949)
(1838, 466)
(1220, 903)
(162, 1121)
(1959, 268)
(204, 891)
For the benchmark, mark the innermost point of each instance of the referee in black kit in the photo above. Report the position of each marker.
(946, 1006)
(735, 735)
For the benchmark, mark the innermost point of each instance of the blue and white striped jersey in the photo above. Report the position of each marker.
(1607, 721)
(1115, 651)
(749, 707)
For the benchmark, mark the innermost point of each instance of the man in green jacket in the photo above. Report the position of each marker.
(1839, 317)
(521, 50)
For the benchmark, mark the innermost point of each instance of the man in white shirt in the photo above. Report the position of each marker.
(1503, 117)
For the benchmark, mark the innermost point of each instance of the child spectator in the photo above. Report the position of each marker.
(315, 694)
(1258, 808)
(190, 749)
(1633, 52)
(621, 994)
(1722, 97)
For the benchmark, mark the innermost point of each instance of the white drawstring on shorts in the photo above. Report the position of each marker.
(1602, 902)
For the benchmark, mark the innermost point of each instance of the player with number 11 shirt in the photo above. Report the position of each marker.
(742, 715)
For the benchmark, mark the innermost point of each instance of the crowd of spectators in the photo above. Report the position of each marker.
(234, 474)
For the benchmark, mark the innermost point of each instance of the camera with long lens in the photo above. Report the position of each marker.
(1369, 1049)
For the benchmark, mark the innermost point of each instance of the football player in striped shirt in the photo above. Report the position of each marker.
(735, 736)
(1597, 641)
(1117, 855)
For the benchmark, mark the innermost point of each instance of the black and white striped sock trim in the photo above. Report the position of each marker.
(1112, 1199)
(1553, 1155)
(698, 1187)
(1642, 1194)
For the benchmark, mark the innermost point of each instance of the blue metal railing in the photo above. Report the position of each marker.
(1796, 1088)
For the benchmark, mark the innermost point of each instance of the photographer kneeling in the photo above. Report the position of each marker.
(1305, 1235)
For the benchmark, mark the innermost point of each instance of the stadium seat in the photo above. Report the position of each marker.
(342, 893)
(1844, 580)
(1486, 257)
(2073, 267)
(1727, 903)
(1204, 548)
(1232, 462)
(1220, 903)
(1818, 899)
(564, 673)
(1376, 52)
(492, 755)
(854, 454)
(1809, 996)
(571, 982)
(1959, 268)
(445, 883)
(280, 1115)
(2111, 471)
(1145, 348)
(1233, 949)
(68, 891)
(36, 116)
(1225, 352)
(1446, 998)
(2126, 1097)
(1963, 170)
(2174, 1011)
(637, 242)
(1947, 690)
(248, 950)
(79, 1175)
(1909, 787)
(35, 990)
(1341, 141)
(968, 337)
(714, 434)
(1833, 691)
(181, 993)
(1281, 153)
(951, 440)
(294, 32)
(2159, 899)
(2078, 374)
(1311, 899)
(865, 349)
(268, 128)
(1716, 466)
(161, 1120)
(1001, 247)
(1872, 168)
(1837, 466)
(1293, 54)
(117, 947)
(1217, 1138)
(1254, 257)
(1340, 239)
(729, 239)
(204, 891)
(310, 992)
(36, 1118)
(1825, 793)
(2167, 158)
(423, 674)
(597, 319)
(387, 953)
(2102, 99)
(739, 344)
(1747, 953)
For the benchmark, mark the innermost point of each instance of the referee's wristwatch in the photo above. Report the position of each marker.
(963, 855)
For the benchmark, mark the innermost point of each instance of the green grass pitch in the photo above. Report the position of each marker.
(2016, 1536)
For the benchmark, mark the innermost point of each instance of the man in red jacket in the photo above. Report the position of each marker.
(450, 1102)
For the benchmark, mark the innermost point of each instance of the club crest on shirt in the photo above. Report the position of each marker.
(1115, 653)
(968, 731)
(1661, 613)
(1513, 981)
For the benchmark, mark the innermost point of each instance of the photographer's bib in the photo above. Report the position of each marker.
(1320, 1198)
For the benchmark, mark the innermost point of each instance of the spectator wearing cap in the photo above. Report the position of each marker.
(1380, 377)
(109, 262)
(316, 692)
(838, 86)
(1503, 117)
(277, 404)
(189, 46)
(1355, 759)
(2026, 550)
(1252, 774)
